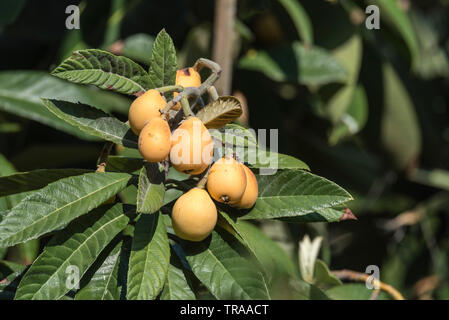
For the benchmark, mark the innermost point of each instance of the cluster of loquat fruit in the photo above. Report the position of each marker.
(189, 149)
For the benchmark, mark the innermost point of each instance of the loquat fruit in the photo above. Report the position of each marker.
(194, 215)
(226, 182)
(154, 140)
(144, 108)
(251, 191)
(187, 77)
(192, 147)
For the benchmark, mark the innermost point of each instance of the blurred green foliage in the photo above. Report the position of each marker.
(365, 108)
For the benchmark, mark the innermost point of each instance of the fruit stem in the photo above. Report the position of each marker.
(167, 89)
(187, 92)
(213, 94)
(212, 66)
(229, 152)
(202, 183)
(186, 107)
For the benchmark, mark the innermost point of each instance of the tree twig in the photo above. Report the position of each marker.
(101, 163)
(358, 276)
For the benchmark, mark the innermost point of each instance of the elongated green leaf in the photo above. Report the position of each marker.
(6, 168)
(21, 91)
(322, 214)
(310, 66)
(150, 194)
(220, 112)
(349, 54)
(295, 193)
(354, 119)
(400, 130)
(234, 134)
(74, 249)
(263, 159)
(177, 286)
(307, 291)
(104, 70)
(103, 285)
(27, 181)
(93, 121)
(400, 20)
(28, 251)
(123, 164)
(8, 268)
(273, 258)
(353, 291)
(323, 276)
(218, 263)
(163, 62)
(10, 275)
(300, 18)
(149, 260)
(57, 204)
(138, 47)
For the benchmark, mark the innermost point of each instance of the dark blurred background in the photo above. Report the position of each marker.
(365, 108)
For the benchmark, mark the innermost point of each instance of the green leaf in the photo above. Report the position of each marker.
(218, 263)
(220, 112)
(8, 268)
(349, 54)
(307, 291)
(57, 204)
(93, 122)
(104, 70)
(322, 214)
(353, 291)
(151, 190)
(436, 178)
(177, 286)
(272, 257)
(6, 167)
(123, 164)
(354, 119)
(300, 18)
(138, 47)
(400, 131)
(149, 260)
(103, 285)
(10, 275)
(263, 159)
(401, 21)
(309, 66)
(28, 251)
(295, 193)
(32, 180)
(78, 246)
(3, 251)
(21, 92)
(163, 63)
(323, 276)
(236, 135)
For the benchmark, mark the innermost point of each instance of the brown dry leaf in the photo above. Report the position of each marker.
(220, 112)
